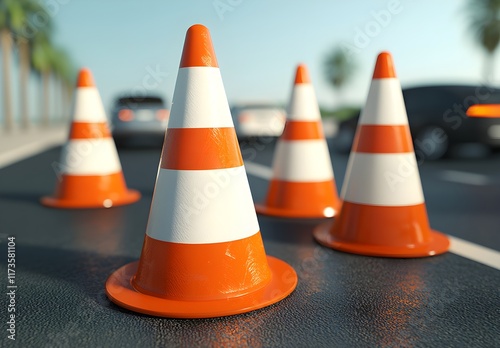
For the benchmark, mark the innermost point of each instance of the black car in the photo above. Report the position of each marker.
(139, 120)
(438, 120)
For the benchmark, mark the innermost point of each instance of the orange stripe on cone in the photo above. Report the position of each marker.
(87, 130)
(383, 231)
(382, 139)
(302, 76)
(384, 68)
(302, 130)
(85, 78)
(202, 271)
(282, 198)
(198, 49)
(391, 220)
(201, 148)
(77, 191)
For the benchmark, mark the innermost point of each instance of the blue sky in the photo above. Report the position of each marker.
(258, 43)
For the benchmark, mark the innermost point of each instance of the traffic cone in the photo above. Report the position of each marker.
(383, 211)
(203, 254)
(302, 185)
(90, 171)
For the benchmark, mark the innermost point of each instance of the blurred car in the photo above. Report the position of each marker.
(437, 119)
(258, 120)
(139, 120)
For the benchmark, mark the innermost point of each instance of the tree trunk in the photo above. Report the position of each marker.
(489, 68)
(68, 95)
(24, 73)
(45, 98)
(6, 44)
(61, 100)
(64, 102)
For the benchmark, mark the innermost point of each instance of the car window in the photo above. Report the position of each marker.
(235, 110)
(136, 102)
(420, 100)
(479, 94)
(146, 100)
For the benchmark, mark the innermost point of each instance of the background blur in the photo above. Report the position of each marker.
(134, 47)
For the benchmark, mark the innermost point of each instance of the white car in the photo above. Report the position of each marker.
(258, 120)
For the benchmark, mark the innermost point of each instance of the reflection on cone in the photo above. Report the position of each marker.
(383, 211)
(203, 254)
(90, 171)
(302, 183)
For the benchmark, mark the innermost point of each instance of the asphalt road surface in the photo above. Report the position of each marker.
(63, 258)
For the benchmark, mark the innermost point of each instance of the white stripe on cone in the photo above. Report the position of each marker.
(200, 100)
(88, 105)
(202, 206)
(291, 161)
(90, 157)
(303, 104)
(382, 179)
(385, 104)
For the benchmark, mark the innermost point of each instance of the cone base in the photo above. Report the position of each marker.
(129, 197)
(327, 212)
(120, 291)
(439, 245)
(292, 199)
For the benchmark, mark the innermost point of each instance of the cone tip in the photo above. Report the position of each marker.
(198, 49)
(85, 78)
(384, 68)
(302, 75)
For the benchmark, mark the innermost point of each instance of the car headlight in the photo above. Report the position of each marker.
(494, 131)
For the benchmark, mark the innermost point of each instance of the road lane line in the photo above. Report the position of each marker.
(469, 250)
(259, 170)
(475, 252)
(464, 177)
(30, 149)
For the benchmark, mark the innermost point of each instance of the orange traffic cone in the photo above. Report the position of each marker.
(203, 254)
(302, 185)
(383, 211)
(91, 173)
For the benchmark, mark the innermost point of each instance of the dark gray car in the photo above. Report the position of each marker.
(139, 120)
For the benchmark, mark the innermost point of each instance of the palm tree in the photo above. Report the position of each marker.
(12, 18)
(485, 23)
(42, 61)
(50, 61)
(338, 68)
(24, 40)
(64, 72)
(15, 19)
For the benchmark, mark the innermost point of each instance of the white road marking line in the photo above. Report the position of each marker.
(28, 150)
(259, 170)
(464, 177)
(469, 250)
(475, 252)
